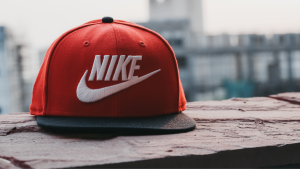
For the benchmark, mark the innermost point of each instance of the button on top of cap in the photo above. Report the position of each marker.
(107, 19)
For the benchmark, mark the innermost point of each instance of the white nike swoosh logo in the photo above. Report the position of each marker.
(87, 95)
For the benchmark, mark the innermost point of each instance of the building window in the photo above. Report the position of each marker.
(175, 42)
(175, 38)
(181, 62)
(160, 1)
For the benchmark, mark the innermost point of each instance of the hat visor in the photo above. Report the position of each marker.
(170, 123)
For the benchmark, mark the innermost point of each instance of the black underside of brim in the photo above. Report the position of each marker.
(170, 123)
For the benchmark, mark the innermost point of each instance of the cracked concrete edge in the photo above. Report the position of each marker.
(4, 131)
(189, 160)
(34, 128)
(12, 163)
(5, 164)
(255, 120)
(240, 104)
(18, 122)
(239, 158)
(293, 98)
(24, 122)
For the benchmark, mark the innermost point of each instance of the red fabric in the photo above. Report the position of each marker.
(67, 59)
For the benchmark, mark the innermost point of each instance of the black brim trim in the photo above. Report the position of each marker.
(170, 123)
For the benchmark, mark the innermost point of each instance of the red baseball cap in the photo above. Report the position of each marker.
(110, 75)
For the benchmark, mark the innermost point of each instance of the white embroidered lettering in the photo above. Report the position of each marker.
(124, 72)
(103, 67)
(134, 66)
(99, 68)
(119, 68)
(96, 67)
(111, 67)
(87, 95)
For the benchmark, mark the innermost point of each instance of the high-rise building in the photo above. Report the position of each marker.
(179, 22)
(175, 10)
(215, 67)
(11, 81)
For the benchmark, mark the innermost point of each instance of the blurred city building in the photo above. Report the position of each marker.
(212, 67)
(224, 66)
(12, 93)
(178, 21)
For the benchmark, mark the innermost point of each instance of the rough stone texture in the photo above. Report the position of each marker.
(254, 132)
(18, 122)
(290, 97)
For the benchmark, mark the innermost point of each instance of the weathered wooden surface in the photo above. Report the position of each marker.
(290, 97)
(254, 132)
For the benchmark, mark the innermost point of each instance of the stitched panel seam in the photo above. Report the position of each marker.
(44, 97)
(118, 98)
(52, 54)
(169, 47)
(115, 38)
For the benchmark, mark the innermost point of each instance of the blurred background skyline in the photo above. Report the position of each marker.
(224, 49)
(41, 22)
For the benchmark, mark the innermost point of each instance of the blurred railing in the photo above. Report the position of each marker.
(225, 66)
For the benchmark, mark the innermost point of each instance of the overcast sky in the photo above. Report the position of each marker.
(41, 21)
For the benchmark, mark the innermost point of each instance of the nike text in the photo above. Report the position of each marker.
(100, 67)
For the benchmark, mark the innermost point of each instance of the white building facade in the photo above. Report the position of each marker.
(11, 83)
(224, 66)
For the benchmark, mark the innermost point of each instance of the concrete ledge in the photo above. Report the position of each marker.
(253, 132)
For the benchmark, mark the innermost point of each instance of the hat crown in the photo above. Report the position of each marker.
(100, 56)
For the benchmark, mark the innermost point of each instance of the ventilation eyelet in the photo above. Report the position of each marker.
(86, 43)
(142, 43)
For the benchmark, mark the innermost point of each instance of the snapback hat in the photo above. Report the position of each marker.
(110, 75)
